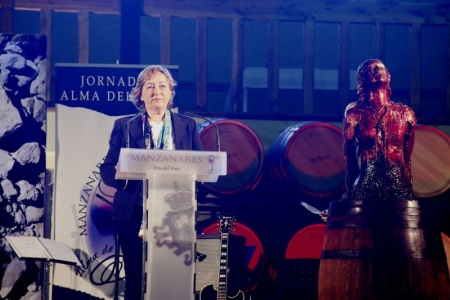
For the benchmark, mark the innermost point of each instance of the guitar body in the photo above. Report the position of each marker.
(210, 293)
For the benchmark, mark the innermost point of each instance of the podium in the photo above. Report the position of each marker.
(170, 208)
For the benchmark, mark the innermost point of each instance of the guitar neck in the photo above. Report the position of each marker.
(223, 268)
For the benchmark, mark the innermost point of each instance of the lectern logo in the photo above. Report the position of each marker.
(177, 231)
(212, 161)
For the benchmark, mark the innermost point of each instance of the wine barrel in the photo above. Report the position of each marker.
(245, 156)
(307, 157)
(298, 273)
(382, 251)
(430, 162)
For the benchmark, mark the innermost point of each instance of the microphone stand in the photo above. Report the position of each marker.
(192, 115)
(116, 267)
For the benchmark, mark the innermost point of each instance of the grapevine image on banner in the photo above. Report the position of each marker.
(89, 98)
(23, 119)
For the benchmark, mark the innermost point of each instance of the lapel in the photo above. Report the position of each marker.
(179, 131)
(136, 134)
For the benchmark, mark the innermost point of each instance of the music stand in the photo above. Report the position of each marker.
(45, 250)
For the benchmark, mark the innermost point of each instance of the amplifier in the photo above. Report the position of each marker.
(207, 261)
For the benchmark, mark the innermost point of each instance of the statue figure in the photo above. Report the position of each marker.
(378, 139)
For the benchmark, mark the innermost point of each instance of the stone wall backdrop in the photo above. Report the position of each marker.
(23, 121)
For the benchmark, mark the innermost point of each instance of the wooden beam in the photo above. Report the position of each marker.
(83, 37)
(344, 65)
(202, 59)
(7, 16)
(237, 65)
(130, 29)
(415, 66)
(274, 65)
(97, 6)
(166, 35)
(308, 71)
(357, 11)
(380, 44)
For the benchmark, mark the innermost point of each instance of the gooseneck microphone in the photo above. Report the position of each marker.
(140, 113)
(192, 115)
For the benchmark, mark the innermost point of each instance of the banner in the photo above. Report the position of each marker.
(89, 98)
(23, 119)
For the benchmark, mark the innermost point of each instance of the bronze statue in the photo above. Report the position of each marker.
(378, 139)
(387, 243)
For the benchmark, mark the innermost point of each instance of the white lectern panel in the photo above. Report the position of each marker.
(170, 237)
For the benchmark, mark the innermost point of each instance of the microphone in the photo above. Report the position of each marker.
(140, 113)
(189, 114)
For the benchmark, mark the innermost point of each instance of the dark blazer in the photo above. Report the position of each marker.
(186, 137)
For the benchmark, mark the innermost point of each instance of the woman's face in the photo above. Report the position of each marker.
(156, 92)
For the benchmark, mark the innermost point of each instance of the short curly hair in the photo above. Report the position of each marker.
(144, 75)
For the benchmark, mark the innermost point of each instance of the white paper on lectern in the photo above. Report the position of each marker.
(206, 165)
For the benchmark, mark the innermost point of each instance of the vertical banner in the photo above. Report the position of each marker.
(23, 119)
(89, 98)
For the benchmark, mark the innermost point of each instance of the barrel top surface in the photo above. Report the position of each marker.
(240, 142)
(430, 161)
(245, 155)
(307, 242)
(316, 149)
(308, 157)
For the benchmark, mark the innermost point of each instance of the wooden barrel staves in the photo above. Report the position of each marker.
(383, 251)
(307, 157)
(430, 162)
(245, 156)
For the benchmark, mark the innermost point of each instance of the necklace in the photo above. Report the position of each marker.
(163, 140)
(148, 133)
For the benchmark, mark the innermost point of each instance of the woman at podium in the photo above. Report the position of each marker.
(154, 127)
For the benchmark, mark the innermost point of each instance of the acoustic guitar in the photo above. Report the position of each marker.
(221, 293)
